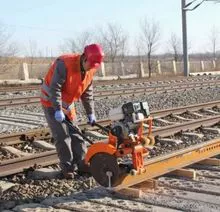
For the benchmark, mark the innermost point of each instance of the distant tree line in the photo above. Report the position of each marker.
(116, 43)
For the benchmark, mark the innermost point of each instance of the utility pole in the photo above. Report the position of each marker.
(185, 8)
(184, 38)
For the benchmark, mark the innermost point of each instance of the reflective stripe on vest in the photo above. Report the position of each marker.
(46, 89)
(68, 109)
(46, 94)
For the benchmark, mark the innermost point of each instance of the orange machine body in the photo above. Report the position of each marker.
(136, 146)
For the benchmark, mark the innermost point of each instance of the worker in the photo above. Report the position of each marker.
(69, 79)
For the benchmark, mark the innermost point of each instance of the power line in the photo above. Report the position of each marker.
(186, 8)
(191, 9)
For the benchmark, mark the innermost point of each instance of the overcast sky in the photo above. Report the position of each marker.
(49, 22)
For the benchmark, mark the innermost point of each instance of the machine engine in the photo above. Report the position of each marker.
(126, 119)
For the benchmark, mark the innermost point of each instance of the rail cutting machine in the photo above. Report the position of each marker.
(124, 150)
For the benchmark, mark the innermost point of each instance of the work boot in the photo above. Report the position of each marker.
(84, 170)
(68, 174)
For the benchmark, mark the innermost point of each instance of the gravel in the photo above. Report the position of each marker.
(38, 190)
(156, 102)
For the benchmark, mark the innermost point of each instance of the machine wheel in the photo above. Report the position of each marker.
(100, 164)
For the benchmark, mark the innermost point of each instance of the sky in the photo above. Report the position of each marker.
(47, 23)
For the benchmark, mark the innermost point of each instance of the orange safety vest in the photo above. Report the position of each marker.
(73, 86)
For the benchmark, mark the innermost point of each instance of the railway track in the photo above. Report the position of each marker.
(194, 188)
(196, 192)
(118, 92)
(48, 157)
(161, 127)
(168, 114)
(100, 84)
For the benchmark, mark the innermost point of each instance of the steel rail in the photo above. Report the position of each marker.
(177, 110)
(21, 87)
(11, 88)
(22, 136)
(16, 165)
(173, 129)
(19, 101)
(164, 164)
(42, 132)
(158, 87)
(146, 91)
(30, 135)
(102, 94)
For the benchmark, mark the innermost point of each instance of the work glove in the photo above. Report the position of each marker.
(59, 115)
(91, 118)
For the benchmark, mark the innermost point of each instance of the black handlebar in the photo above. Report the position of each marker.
(78, 131)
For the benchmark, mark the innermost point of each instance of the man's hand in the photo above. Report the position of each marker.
(59, 115)
(91, 118)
